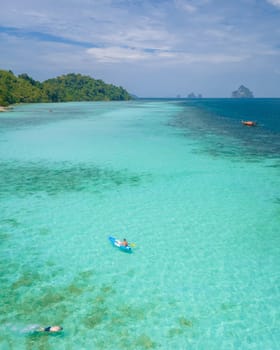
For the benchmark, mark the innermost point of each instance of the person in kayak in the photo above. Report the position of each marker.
(124, 243)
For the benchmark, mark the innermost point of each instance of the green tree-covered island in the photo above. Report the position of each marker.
(65, 88)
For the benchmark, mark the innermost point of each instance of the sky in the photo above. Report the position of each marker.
(152, 48)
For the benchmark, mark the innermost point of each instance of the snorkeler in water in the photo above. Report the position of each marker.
(51, 329)
(35, 328)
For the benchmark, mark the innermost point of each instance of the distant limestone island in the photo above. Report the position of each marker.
(242, 92)
(65, 88)
(193, 95)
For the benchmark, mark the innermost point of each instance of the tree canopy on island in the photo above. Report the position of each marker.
(65, 88)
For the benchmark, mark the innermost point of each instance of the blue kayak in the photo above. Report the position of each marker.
(117, 243)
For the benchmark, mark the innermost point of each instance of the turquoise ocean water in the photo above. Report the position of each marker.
(197, 192)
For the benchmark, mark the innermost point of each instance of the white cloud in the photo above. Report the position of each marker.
(138, 35)
(185, 6)
(211, 58)
(274, 2)
(117, 54)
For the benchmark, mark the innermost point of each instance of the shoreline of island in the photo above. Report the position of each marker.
(3, 109)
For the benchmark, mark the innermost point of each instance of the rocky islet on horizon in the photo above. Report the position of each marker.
(242, 92)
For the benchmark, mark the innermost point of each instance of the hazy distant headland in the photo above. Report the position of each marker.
(65, 88)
